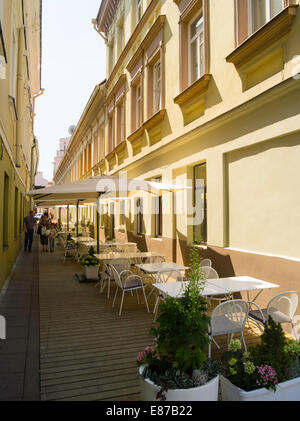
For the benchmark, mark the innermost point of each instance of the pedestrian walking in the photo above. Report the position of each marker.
(52, 237)
(44, 230)
(29, 223)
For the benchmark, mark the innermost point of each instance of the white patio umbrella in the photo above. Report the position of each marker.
(93, 188)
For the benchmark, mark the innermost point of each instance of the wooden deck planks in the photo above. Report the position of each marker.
(88, 352)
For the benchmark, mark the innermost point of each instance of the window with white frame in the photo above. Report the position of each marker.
(138, 106)
(156, 87)
(13, 66)
(196, 48)
(139, 10)
(262, 11)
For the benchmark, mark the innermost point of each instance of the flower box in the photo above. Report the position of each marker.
(286, 391)
(207, 392)
(91, 272)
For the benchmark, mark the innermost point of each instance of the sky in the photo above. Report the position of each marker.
(73, 63)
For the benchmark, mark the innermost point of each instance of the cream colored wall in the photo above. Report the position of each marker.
(264, 207)
(19, 175)
(226, 89)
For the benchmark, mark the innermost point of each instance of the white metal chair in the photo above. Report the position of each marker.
(119, 265)
(211, 273)
(162, 277)
(228, 318)
(127, 281)
(206, 262)
(282, 308)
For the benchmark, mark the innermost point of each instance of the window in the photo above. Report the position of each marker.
(200, 204)
(156, 87)
(196, 49)
(89, 153)
(102, 142)
(112, 218)
(138, 106)
(13, 66)
(139, 204)
(120, 122)
(158, 213)
(122, 212)
(194, 44)
(16, 212)
(111, 134)
(251, 15)
(261, 12)
(5, 211)
(21, 215)
(139, 10)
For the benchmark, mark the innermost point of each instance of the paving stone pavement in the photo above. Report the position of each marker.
(19, 352)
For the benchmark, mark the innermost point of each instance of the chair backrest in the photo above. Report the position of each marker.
(205, 262)
(121, 264)
(155, 259)
(114, 274)
(168, 275)
(285, 302)
(209, 273)
(231, 310)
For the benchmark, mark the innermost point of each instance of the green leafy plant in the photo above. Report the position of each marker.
(271, 350)
(275, 359)
(179, 359)
(91, 250)
(108, 239)
(88, 260)
(240, 369)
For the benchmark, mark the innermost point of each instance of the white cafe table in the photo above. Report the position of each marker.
(153, 268)
(157, 267)
(222, 286)
(176, 289)
(131, 255)
(242, 284)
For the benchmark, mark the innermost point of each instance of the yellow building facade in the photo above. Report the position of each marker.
(206, 94)
(20, 84)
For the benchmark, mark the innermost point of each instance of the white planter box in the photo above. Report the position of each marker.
(207, 392)
(286, 391)
(91, 272)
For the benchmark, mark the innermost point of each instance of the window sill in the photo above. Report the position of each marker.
(275, 29)
(191, 105)
(136, 134)
(156, 119)
(197, 88)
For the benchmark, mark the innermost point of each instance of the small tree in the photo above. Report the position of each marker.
(271, 350)
(183, 324)
(91, 251)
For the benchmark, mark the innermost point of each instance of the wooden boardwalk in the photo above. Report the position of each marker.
(88, 352)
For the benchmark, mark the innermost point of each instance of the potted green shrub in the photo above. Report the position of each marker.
(177, 368)
(270, 371)
(91, 264)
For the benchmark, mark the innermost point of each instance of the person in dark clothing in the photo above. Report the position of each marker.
(29, 223)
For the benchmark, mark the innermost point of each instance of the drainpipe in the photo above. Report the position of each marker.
(34, 97)
(32, 169)
(19, 96)
(95, 23)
